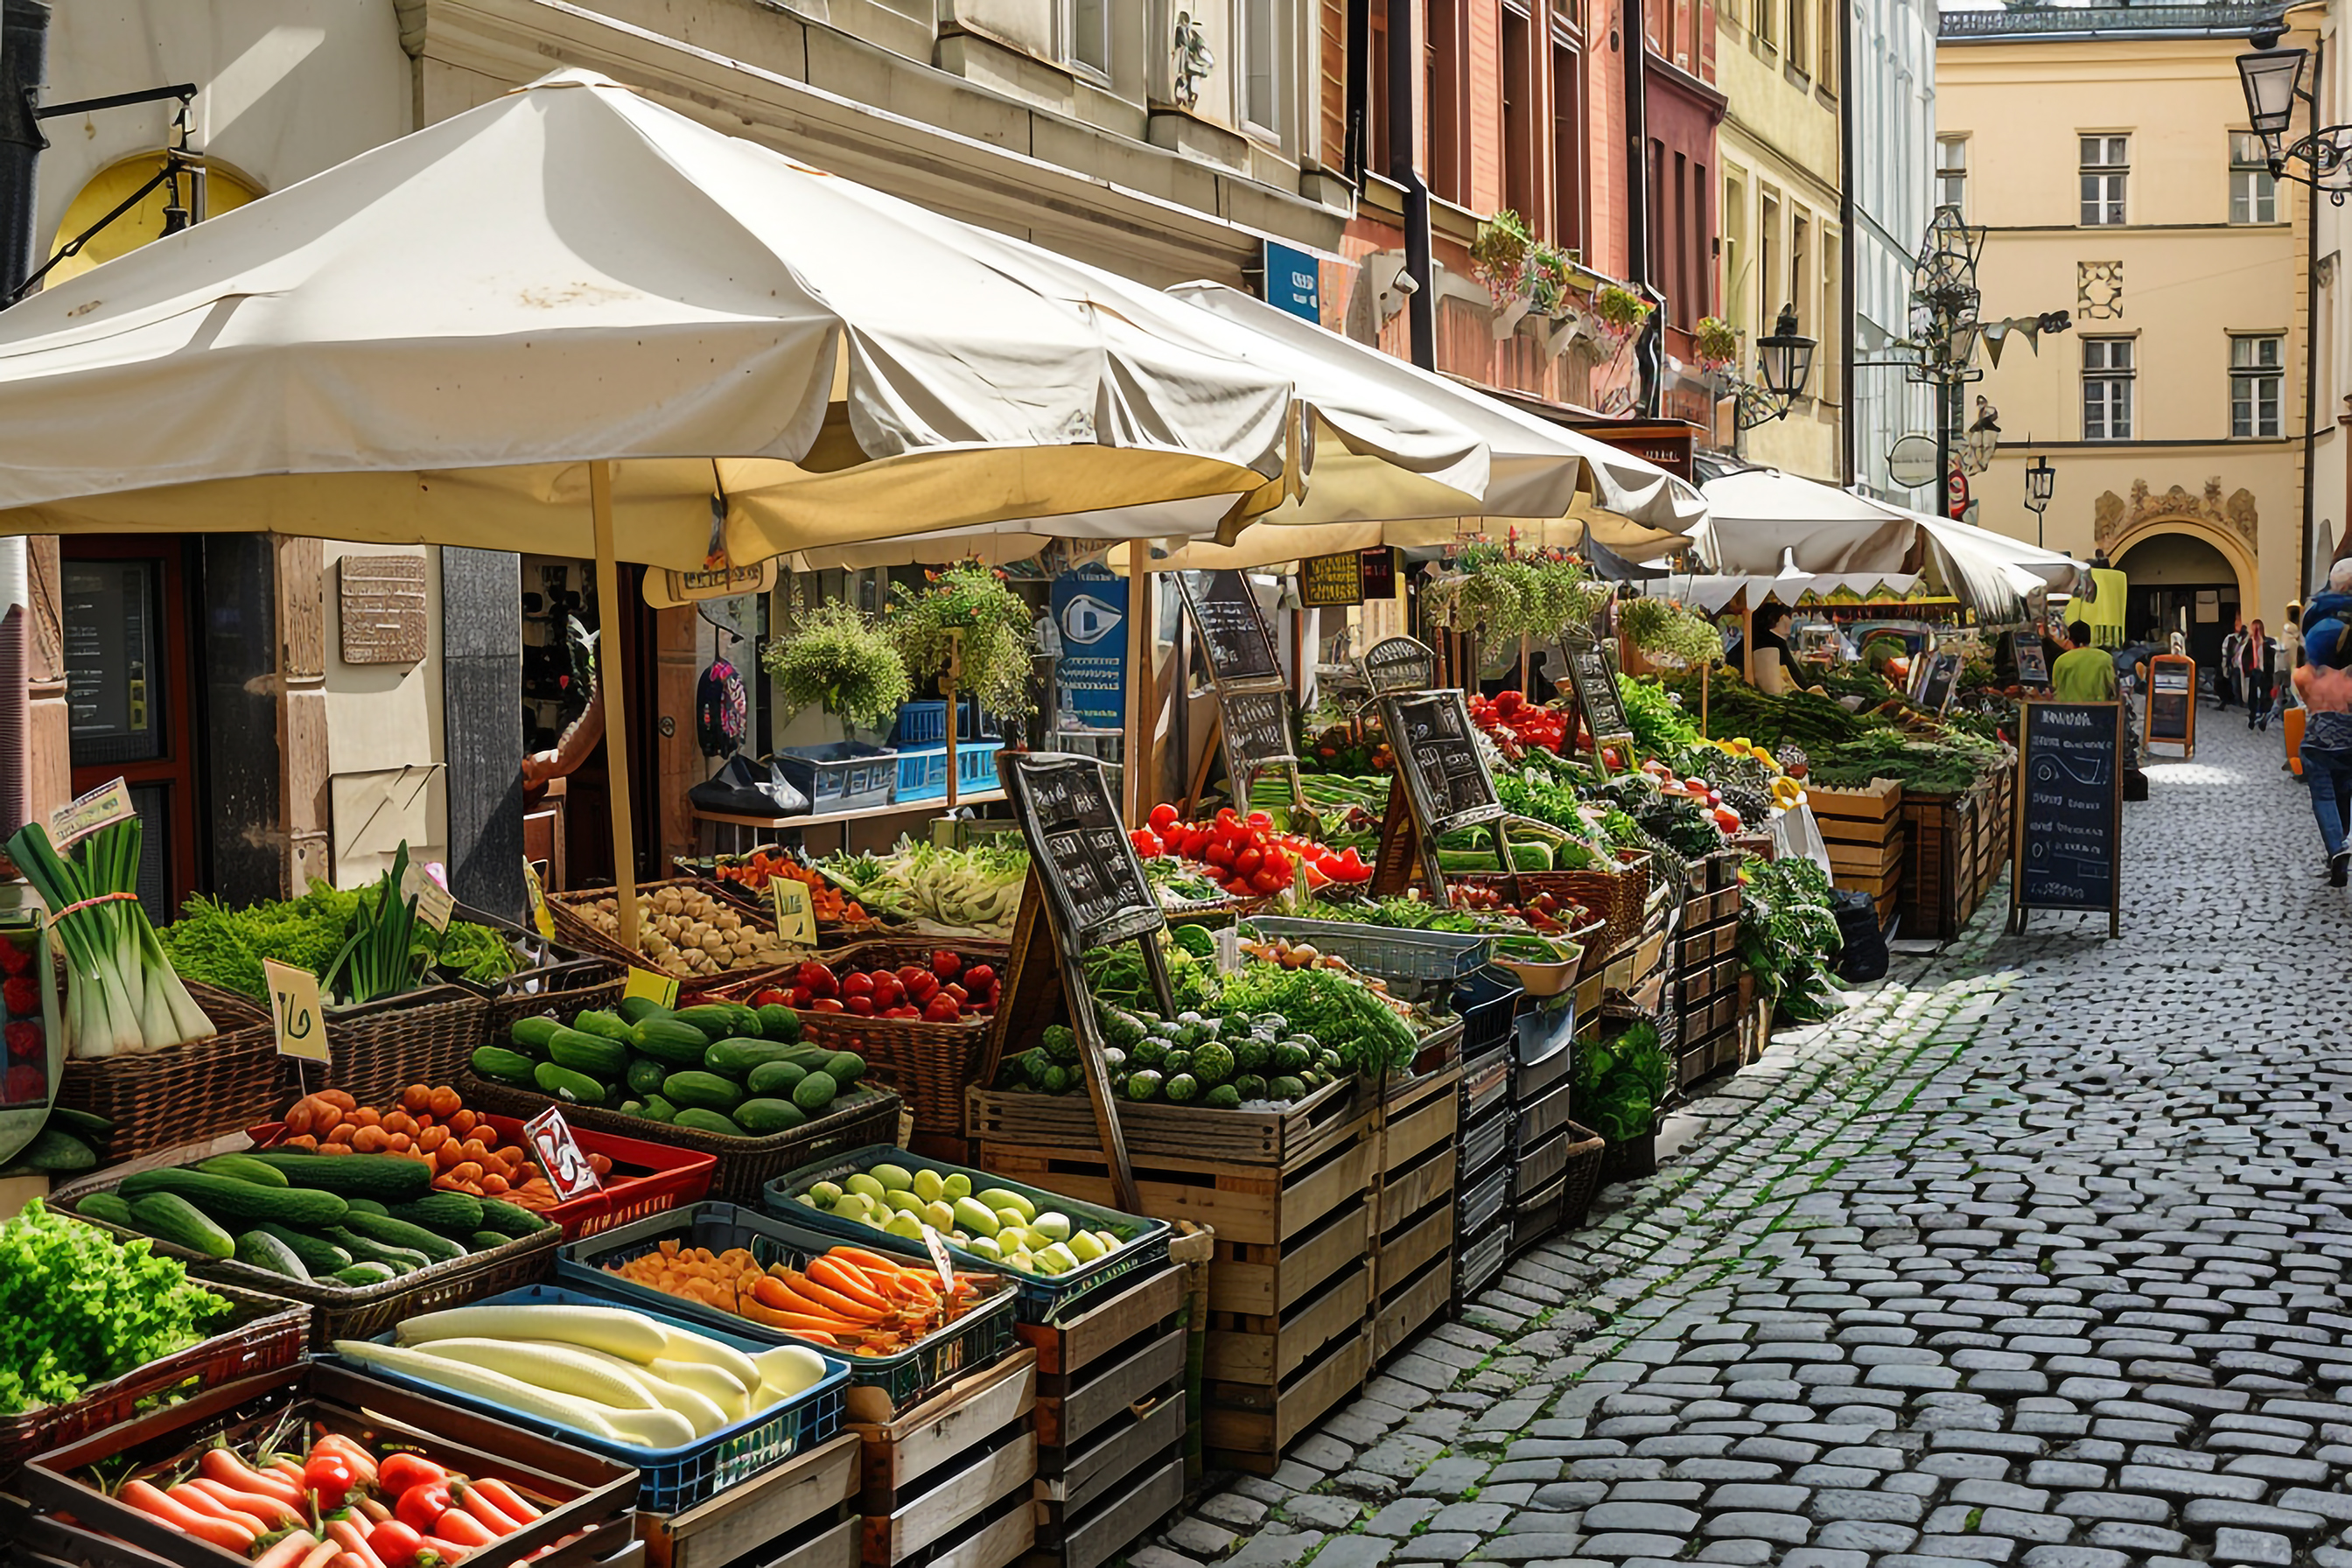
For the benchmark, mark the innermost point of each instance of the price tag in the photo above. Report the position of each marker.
(540, 919)
(939, 1251)
(795, 914)
(1228, 948)
(434, 904)
(567, 1168)
(78, 818)
(661, 990)
(294, 1008)
(906, 1126)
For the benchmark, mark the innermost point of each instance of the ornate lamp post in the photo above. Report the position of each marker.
(2041, 484)
(1785, 360)
(2271, 79)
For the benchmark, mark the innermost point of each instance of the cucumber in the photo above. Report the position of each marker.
(655, 1109)
(359, 1276)
(532, 1035)
(846, 1067)
(667, 1040)
(815, 1092)
(778, 1022)
(260, 1249)
(73, 1118)
(736, 1058)
(571, 1086)
(611, 1025)
(320, 1256)
(631, 1108)
(390, 1232)
(592, 1055)
(455, 1214)
(501, 1066)
(762, 1117)
(366, 1249)
(714, 1019)
(225, 1197)
(645, 1076)
(747, 1020)
(702, 1120)
(366, 1206)
(106, 1206)
(484, 1240)
(391, 1178)
(243, 1169)
(637, 1009)
(54, 1151)
(705, 1090)
(510, 1219)
(168, 1216)
(775, 1078)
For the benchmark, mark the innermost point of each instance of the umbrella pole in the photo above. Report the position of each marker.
(616, 717)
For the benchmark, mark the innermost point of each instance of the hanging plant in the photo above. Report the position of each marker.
(1717, 343)
(1498, 255)
(1670, 633)
(1548, 273)
(998, 642)
(1503, 594)
(836, 659)
(1619, 309)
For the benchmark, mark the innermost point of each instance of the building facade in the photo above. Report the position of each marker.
(2106, 155)
(1890, 138)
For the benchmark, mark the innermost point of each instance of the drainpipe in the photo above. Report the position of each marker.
(2304, 584)
(1404, 62)
(1847, 250)
(1634, 27)
(23, 58)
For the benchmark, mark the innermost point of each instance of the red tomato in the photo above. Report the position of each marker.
(1267, 882)
(826, 1004)
(402, 1470)
(1228, 816)
(396, 1544)
(861, 1005)
(858, 985)
(421, 1507)
(1147, 843)
(942, 1009)
(1262, 821)
(331, 1476)
(1163, 818)
(1219, 853)
(1277, 862)
(1247, 862)
(946, 965)
(887, 989)
(955, 991)
(979, 975)
(770, 997)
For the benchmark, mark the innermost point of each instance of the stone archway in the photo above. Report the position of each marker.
(2230, 526)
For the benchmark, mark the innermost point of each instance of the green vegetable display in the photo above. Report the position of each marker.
(1194, 1059)
(1660, 728)
(1788, 935)
(975, 889)
(78, 1307)
(1620, 1080)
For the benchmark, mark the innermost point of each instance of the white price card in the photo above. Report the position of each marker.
(434, 904)
(294, 1007)
(939, 1251)
(795, 914)
(559, 1154)
(85, 814)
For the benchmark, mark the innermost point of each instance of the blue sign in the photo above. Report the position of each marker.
(1293, 282)
(1090, 608)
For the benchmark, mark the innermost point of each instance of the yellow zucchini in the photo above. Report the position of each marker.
(558, 1368)
(685, 1346)
(630, 1335)
(506, 1393)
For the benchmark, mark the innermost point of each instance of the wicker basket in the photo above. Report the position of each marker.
(1616, 896)
(199, 1090)
(378, 1048)
(1586, 1152)
(262, 1334)
(746, 1165)
(576, 929)
(561, 981)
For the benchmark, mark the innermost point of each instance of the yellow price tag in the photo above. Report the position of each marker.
(661, 990)
(85, 814)
(540, 918)
(434, 904)
(795, 912)
(294, 1007)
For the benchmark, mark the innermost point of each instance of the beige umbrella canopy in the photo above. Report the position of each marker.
(565, 322)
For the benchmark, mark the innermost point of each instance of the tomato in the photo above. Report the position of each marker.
(946, 965)
(1147, 843)
(402, 1470)
(861, 1005)
(1163, 818)
(331, 1476)
(942, 1009)
(1228, 816)
(955, 991)
(826, 1004)
(921, 985)
(1267, 882)
(421, 1507)
(1262, 821)
(1220, 853)
(801, 999)
(888, 990)
(856, 984)
(1247, 862)
(1276, 861)
(396, 1544)
(770, 997)
(979, 976)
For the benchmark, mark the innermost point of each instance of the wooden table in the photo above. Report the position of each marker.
(772, 825)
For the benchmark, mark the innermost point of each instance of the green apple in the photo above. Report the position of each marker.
(894, 1178)
(1057, 1259)
(928, 1186)
(1085, 1248)
(958, 1185)
(938, 1216)
(1053, 1225)
(826, 1195)
(983, 1246)
(905, 1225)
(865, 1183)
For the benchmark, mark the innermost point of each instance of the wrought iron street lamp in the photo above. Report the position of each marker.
(2041, 484)
(1785, 360)
(2271, 79)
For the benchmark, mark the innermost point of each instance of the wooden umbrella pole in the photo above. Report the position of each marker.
(1706, 675)
(948, 686)
(616, 713)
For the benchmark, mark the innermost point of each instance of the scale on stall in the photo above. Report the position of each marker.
(1252, 726)
(1086, 889)
(1446, 788)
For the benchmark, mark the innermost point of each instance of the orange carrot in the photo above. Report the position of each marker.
(152, 1499)
(849, 1283)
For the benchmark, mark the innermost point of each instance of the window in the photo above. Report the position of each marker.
(2106, 160)
(1699, 241)
(1767, 22)
(2257, 376)
(2108, 370)
(1830, 354)
(1567, 146)
(1519, 109)
(1376, 105)
(1442, 89)
(1261, 61)
(1086, 28)
(1801, 269)
(1800, 53)
(1768, 272)
(2254, 190)
(1735, 250)
(1952, 173)
(1832, 24)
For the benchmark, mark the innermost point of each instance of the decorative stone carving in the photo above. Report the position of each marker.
(1194, 60)
(2099, 291)
(2113, 518)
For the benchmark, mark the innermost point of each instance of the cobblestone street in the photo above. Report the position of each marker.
(2040, 1253)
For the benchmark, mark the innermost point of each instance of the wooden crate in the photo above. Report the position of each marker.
(1938, 872)
(1110, 1421)
(952, 1479)
(1880, 800)
(1413, 1259)
(1272, 1137)
(796, 1513)
(1083, 1538)
(1414, 1147)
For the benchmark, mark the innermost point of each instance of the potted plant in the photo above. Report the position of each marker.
(965, 624)
(836, 659)
(1717, 343)
(1498, 255)
(1620, 312)
(1668, 632)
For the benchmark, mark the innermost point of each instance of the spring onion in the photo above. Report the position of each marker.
(381, 957)
(123, 994)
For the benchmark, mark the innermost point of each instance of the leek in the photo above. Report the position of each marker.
(122, 993)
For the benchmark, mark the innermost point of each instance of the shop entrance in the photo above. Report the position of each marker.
(2180, 583)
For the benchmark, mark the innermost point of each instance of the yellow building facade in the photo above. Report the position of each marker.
(2106, 154)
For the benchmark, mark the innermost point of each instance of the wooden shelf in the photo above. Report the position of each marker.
(827, 819)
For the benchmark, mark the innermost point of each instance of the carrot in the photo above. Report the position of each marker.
(450, 1550)
(839, 1304)
(457, 1525)
(205, 1502)
(151, 1499)
(820, 1329)
(512, 1503)
(322, 1554)
(222, 1464)
(268, 1509)
(783, 1296)
(864, 1260)
(855, 1287)
(290, 1550)
(375, 1511)
(346, 1560)
(354, 1540)
(492, 1516)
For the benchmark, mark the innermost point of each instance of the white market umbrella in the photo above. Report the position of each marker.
(564, 322)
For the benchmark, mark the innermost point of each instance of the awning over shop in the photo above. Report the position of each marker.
(1711, 594)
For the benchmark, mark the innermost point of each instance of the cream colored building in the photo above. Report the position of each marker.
(1777, 65)
(2105, 153)
(2323, 28)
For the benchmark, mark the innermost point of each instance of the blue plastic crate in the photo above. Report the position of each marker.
(925, 723)
(923, 770)
(841, 776)
(1487, 999)
(671, 1480)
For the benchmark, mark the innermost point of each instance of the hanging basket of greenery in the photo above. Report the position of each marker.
(1716, 343)
(834, 658)
(968, 615)
(1669, 633)
(1619, 311)
(1498, 255)
(1500, 594)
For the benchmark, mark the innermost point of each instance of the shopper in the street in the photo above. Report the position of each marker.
(2083, 673)
(2323, 684)
(2288, 654)
(2225, 679)
(2254, 656)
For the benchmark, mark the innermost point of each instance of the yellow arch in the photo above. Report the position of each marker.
(2232, 550)
(225, 190)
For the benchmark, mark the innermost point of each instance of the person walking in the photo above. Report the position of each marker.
(2289, 654)
(2225, 679)
(2083, 673)
(2254, 656)
(2324, 685)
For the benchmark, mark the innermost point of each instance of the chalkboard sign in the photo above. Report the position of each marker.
(2032, 666)
(2171, 700)
(1437, 755)
(2069, 810)
(1596, 694)
(1258, 733)
(1399, 664)
(1327, 582)
(1093, 882)
(1936, 682)
(1233, 633)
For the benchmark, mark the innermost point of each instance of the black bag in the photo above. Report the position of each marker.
(1863, 956)
(746, 788)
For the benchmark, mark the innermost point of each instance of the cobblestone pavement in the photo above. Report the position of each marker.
(2040, 1254)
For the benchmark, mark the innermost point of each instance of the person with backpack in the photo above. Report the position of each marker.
(2324, 685)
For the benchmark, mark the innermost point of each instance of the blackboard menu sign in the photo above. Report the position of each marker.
(2032, 665)
(1942, 674)
(1326, 582)
(1233, 632)
(1437, 755)
(1094, 884)
(1399, 664)
(2171, 699)
(1596, 694)
(1258, 733)
(2069, 808)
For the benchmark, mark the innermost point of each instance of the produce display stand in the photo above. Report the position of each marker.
(198, 1089)
(565, 910)
(794, 1515)
(1416, 1158)
(840, 819)
(1706, 983)
(375, 1049)
(1110, 1419)
(950, 1481)
(1952, 857)
(1866, 829)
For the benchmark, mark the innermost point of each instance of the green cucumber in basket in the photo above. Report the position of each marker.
(454, 1215)
(654, 1108)
(566, 1085)
(778, 1022)
(762, 1117)
(736, 1058)
(393, 1178)
(501, 1066)
(637, 1009)
(600, 1021)
(107, 1206)
(714, 1019)
(244, 1168)
(359, 1276)
(227, 1198)
(703, 1090)
(484, 1240)
(594, 1055)
(774, 1078)
(667, 1040)
(168, 1216)
(260, 1249)
(701, 1120)
(318, 1256)
(510, 1219)
(532, 1035)
(366, 1249)
(390, 1232)
(645, 1076)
